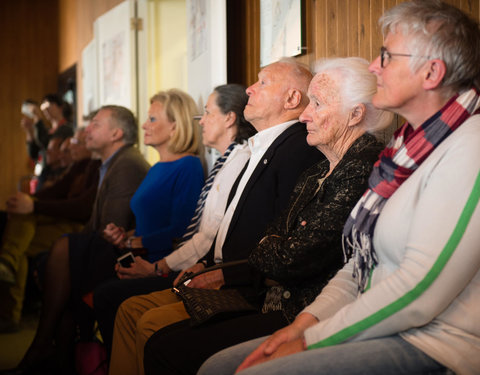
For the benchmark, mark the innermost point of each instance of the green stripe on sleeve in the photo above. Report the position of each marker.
(413, 294)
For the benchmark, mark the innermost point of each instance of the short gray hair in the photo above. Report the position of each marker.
(439, 30)
(124, 119)
(301, 76)
(356, 85)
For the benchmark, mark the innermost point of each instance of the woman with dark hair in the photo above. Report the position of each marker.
(225, 129)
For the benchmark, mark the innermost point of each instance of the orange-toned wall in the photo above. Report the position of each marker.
(39, 39)
(28, 69)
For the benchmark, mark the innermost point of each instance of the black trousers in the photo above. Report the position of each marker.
(181, 349)
(108, 297)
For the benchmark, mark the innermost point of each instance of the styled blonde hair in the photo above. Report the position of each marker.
(180, 108)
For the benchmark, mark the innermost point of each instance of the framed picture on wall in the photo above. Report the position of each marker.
(115, 45)
(280, 30)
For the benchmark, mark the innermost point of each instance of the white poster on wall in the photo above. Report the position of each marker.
(116, 56)
(207, 51)
(280, 30)
(207, 47)
(89, 78)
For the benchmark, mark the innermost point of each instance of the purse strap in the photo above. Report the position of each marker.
(190, 275)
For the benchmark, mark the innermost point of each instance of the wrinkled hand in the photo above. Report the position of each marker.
(208, 280)
(285, 341)
(138, 269)
(115, 235)
(195, 268)
(20, 203)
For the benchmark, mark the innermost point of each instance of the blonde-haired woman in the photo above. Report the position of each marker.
(179, 109)
(163, 205)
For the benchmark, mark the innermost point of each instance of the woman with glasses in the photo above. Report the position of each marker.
(407, 300)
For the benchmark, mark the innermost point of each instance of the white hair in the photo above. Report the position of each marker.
(356, 85)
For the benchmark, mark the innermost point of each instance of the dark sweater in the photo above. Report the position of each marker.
(303, 249)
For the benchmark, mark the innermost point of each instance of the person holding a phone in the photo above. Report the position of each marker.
(225, 129)
(56, 113)
(36, 221)
(162, 205)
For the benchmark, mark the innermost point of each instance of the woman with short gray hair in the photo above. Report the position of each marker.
(407, 300)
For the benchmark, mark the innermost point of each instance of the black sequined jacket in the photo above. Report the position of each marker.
(303, 249)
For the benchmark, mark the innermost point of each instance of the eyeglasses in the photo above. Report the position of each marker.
(385, 56)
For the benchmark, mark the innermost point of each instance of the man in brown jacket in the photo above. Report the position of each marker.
(110, 136)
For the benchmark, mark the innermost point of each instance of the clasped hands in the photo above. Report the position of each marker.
(286, 341)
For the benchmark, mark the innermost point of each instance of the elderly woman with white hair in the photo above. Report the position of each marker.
(407, 301)
(302, 249)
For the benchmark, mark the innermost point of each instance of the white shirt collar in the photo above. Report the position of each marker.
(264, 138)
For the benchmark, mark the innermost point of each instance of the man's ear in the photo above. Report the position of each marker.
(434, 73)
(293, 100)
(357, 114)
(117, 134)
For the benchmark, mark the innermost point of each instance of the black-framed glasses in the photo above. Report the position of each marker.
(385, 56)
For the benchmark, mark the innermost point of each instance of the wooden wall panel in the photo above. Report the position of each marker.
(67, 34)
(352, 24)
(338, 28)
(28, 69)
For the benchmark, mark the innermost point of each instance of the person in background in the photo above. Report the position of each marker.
(225, 129)
(55, 163)
(111, 136)
(36, 221)
(65, 154)
(37, 133)
(407, 300)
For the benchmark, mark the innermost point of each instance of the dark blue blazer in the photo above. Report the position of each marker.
(264, 197)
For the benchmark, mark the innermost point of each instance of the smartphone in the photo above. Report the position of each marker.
(126, 259)
(27, 110)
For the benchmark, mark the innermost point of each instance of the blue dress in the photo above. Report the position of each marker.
(165, 202)
(163, 206)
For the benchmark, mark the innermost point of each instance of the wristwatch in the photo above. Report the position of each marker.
(128, 244)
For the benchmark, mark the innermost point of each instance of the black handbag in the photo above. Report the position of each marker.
(207, 305)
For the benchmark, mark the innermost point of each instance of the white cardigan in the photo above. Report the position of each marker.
(427, 283)
(213, 212)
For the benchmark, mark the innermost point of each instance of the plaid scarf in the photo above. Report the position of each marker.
(406, 151)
